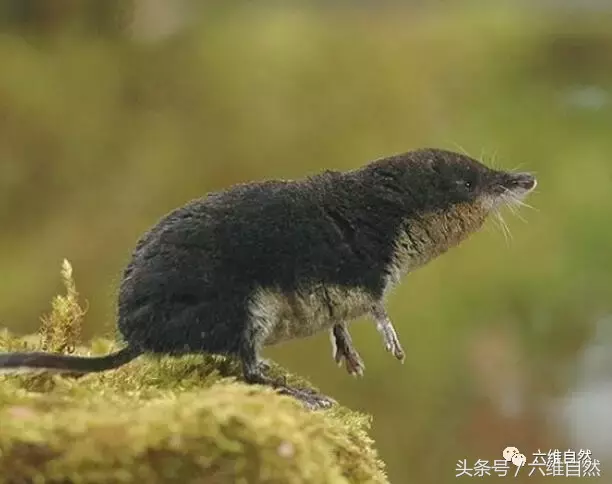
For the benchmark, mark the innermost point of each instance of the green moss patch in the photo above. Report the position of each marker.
(184, 419)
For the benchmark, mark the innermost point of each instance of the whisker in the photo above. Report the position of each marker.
(517, 167)
(510, 197)
(494, 159)
(504, 227)
(522, 203)
(512, 208)
(505, 231)
(516, 213)
(514, 203)
(462, 149)
(497, 225)
(507, 202)
(507, 227)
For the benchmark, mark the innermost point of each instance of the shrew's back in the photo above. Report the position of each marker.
(191, 277)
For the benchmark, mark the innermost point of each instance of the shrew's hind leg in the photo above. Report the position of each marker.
(253, 369)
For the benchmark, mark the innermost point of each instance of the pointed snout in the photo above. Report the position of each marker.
(522, 181)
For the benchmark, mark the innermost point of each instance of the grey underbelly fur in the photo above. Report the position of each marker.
(281, 317)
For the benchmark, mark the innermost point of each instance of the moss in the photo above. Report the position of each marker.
(184, 419)
(61, 330)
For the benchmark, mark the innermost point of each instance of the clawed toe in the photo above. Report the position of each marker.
(352, 361)
(394, 347)
(355, 365)
(398, 352)
(386, 329)
(317, 401)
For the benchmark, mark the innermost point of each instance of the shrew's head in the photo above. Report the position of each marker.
(435, 180)
(451, 192)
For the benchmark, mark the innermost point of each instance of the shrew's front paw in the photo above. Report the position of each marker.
(394, 347)
(343, 350)
(352, 361)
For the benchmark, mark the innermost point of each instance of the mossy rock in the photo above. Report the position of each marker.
(185, 419)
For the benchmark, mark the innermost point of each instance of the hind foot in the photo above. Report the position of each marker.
(309, 398)
(253, 369)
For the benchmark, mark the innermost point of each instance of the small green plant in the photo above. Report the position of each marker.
(60, 330)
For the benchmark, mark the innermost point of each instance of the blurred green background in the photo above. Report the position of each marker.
(113, 113)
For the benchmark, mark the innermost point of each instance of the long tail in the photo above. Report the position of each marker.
(26, 362)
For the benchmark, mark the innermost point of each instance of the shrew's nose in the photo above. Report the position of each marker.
(526, 181)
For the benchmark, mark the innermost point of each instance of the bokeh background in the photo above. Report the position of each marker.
(112, 113)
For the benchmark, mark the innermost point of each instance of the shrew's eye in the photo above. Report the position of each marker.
(464, 184)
